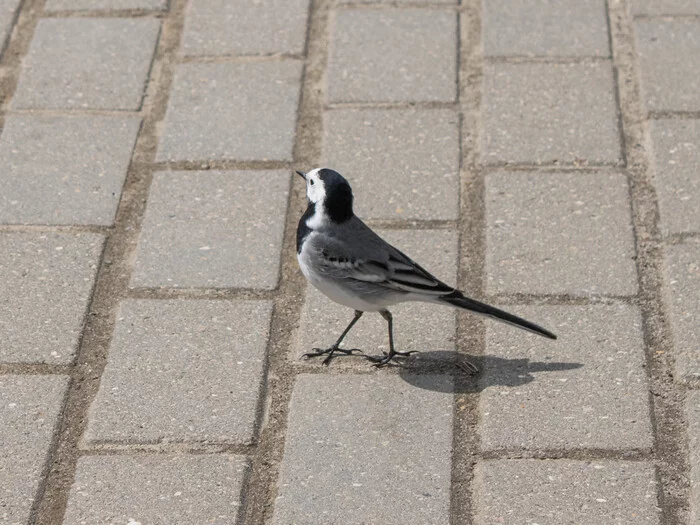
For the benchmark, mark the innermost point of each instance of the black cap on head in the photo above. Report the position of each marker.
(339, 198)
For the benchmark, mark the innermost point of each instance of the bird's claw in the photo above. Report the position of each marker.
(330, 353)
(388, 358)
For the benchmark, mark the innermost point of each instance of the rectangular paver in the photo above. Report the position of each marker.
(232, 111)
(545, 113)
(186, 370)
(90, 5)
(367, 449)
(559, 233)
(47, 279)
(213, 229)
(157, 490)
(8, 14)
(29, 410)
(402, 164)
(665, 7)
(693, 413)
(95, 63)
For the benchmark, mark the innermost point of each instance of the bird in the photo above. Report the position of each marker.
(352, 265)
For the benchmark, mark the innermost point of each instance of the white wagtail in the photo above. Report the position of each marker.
(342, 257)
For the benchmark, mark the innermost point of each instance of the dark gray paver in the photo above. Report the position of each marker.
(232, 111)
(402, 164)
(213, 229)
(188, 370)
(552, 492)
(536, 113)
(543, 228)
(693, 410)
(393, 55)
(222, 27)
(665, 7)
(46, 281)
(96, 63)
(537, 28)
(157, 490)
(64, 170)
(8, 12)
(355, 442)
(588, 389)
(669, 57)
(88, 5)
(29, 410)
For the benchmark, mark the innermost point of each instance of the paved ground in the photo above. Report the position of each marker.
(543, 155)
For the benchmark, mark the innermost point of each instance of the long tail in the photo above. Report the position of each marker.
(456, 298)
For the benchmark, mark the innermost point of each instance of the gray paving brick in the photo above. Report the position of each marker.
(96, 63)
(64, 170)
(356, 441)
(182, 371)
(586, 390)
(537, 28)
(29, 410)
(542, 228)
(89, 5)
(552, 492)
(232, 111)
(669, 56)
(158, 490)
(221, 27)
(393, 55)
(539, 113)
(8, 12)
(47, 280)
(693, 409)
(213, 229)
(402, 164)
(665, 7)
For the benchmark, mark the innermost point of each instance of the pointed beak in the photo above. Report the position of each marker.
(301, 174)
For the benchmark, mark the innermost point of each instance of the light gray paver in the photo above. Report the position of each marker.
(64, 170)
(552, 492)
(96, 63)
(46, 281)
(8, 11)
(232, 111)
(693, 410)
(29, 410)
(355, 443)
(213, 229)
(402, 164)
(537, 28)
(559, 233)
(178, 371)
(665, 7)
(222, 27)
(89, 5)
(669, 57)
(542, 113)
(157, 490)
(393, 55)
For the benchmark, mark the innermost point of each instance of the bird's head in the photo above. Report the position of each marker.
(329, 192)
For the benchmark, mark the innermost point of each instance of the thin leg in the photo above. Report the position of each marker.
(333, 349)
(381, 361)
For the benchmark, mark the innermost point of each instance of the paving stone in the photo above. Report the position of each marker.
(232, 111)
(541, 229)
(693, 409)
(669, 55)
(552, 492)
(89, 5)
(47, 281)
(356, 441)
(586, 390)
(543, 113)
(393, 55)
(8, 12)
(158, 490)
(545, 28)
(399, 2)
(29, 410)
(182, 370)
(64, 170)
(221, 27)
(213, 229)
(665, 7)
(402, 164)
(96, 63)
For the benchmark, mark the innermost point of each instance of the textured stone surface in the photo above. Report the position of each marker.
(665, 7)
(182, 370)
(64, 170)
(538, 113)
(88, 5)
(241, 111)
(157, 490)
(96, 63)
(402, 164)
(541, 229)
(693, 409)
(545, 28)
(553, 492)
(392, 55)
(47, 280)
(354, 442)
(29, 410)
(8, 12)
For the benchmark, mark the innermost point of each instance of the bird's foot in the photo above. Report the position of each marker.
(330, 353)
(385, 359)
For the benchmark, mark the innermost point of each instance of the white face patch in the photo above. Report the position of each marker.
(315, 190)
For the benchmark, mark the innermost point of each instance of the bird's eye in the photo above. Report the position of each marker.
(311, 181)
